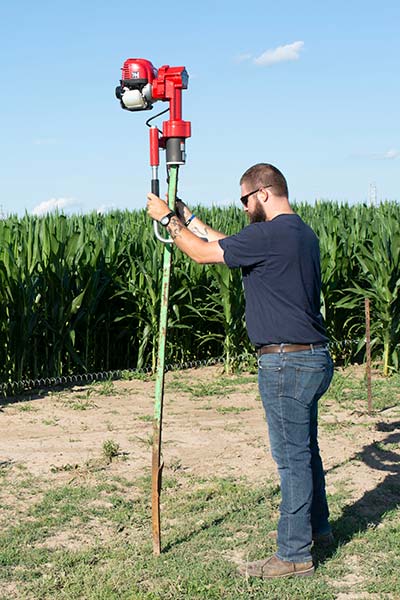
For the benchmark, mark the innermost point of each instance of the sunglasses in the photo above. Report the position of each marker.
(245, 199)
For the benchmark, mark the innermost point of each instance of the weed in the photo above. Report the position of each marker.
(110, 449)
(84, 405)
(146, 441)
(53, 422)
(27, 408)
(66, 467)
(105, 388)
(145, 418)
(221, 386)
(132, 375)
(232, 409)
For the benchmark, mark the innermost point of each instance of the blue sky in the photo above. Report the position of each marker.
(311, 87)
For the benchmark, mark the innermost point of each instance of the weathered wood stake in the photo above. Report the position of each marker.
(368, 350)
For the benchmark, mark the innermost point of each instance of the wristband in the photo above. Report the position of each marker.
(190, 219)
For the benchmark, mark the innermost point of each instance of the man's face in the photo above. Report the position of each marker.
(252, 205)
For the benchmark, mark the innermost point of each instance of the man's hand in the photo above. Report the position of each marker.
(156, 208)
(182, 210)
(200, 250)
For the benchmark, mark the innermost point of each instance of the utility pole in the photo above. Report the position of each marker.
(373, 199)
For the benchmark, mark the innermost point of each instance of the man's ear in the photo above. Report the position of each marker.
(265, 194)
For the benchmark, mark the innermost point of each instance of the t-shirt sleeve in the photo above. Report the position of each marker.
(246, 248)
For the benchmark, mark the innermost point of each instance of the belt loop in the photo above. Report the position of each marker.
(281, 348)
(312, 348)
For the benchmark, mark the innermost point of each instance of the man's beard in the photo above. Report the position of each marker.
(257, 215)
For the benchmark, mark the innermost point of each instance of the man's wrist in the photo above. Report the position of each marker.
(190, 219)
(165, 220)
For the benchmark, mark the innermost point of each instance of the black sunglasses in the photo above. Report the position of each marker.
(245, 199)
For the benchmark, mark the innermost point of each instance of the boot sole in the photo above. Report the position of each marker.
(307, 573)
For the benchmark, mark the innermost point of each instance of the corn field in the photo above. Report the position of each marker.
(81, 293)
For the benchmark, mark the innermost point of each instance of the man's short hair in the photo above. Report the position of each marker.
(263, 174)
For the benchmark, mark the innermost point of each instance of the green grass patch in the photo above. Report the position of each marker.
(225, 384)
(350, 392)
(232, 409)
(146, 418)
(208, 525)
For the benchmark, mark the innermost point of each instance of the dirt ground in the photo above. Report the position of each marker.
(220, 435)
(213, 426)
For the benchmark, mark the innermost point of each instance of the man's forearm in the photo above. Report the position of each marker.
(196, 245)
(196, 225)
(204, 249)
(204, 231)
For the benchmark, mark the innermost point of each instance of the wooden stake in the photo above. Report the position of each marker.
(368, 350)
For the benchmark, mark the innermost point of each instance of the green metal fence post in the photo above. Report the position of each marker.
(157, 464)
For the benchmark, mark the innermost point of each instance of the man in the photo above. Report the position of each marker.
(279, 257)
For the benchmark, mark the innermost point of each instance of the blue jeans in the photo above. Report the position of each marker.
(290, 386)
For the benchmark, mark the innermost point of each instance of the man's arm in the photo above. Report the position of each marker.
(197, 248)
(195, 224)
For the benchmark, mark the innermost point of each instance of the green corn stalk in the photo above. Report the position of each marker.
(76, 293)
(379, 257)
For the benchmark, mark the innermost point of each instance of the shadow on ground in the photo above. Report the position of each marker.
(371, 507)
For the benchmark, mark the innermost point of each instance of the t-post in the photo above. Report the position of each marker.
(140, 87)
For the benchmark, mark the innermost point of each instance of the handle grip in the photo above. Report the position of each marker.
(155, 189)
(159, 236)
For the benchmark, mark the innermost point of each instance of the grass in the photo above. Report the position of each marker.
(232, 409)
(208, 524)
(216, 387)
(50, 422)
(347, 390)
(27, 408)
(85, 533)
(145, 418)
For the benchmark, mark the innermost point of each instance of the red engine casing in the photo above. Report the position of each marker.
(139, 70)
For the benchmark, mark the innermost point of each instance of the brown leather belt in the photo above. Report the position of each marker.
(275, 348)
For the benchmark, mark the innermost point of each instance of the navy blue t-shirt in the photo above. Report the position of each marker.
(280, 264)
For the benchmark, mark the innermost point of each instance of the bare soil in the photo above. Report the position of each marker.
(57, 437)
(211, 435)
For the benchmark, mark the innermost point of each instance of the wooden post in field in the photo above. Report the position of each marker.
(368, 350)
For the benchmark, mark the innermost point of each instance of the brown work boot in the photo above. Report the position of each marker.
(270, 568)
(319, 539)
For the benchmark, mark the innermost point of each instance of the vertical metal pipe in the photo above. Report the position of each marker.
(157, 464)
(368, 350)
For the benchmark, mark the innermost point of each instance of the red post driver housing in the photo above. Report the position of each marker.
(168, 86)
(141, 86)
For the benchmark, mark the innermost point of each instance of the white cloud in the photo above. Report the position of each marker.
(392, 153)
(52, 204)
(104, 208)
(279, 54)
